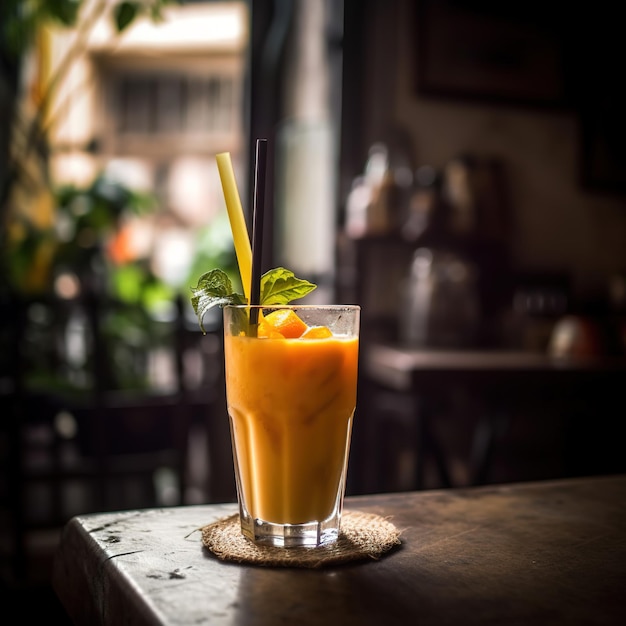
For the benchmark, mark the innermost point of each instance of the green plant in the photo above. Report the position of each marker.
(26, 121)
(85, 218)
(47, 232)
(83, 256)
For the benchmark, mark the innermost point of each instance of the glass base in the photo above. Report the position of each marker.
(311, 534)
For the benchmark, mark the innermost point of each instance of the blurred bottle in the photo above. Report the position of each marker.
(617, 310)
(441, 308)
(376, 204)
(364, 213)
(424, 206)
(475, 190)
(460, 195)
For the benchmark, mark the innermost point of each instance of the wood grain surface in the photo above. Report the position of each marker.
(550, 552)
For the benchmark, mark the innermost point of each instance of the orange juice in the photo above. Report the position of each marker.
(291, 403)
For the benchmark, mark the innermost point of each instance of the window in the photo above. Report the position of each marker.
(179, 110)
(174, 103)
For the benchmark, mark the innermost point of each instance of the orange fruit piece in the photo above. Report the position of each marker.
(317, 332)
(286, 322)
(267, 331)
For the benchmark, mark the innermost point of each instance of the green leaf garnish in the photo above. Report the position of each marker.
(214, 288)
(278, 286)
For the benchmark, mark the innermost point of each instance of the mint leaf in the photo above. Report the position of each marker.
(214, 288)
(280, 286)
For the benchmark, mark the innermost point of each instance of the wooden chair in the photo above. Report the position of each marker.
(104, 448)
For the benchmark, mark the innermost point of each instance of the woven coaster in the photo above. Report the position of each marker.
(362, 536)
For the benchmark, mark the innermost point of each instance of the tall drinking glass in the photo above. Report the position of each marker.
(291, 386)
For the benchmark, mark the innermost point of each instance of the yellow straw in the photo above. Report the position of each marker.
(238, 226)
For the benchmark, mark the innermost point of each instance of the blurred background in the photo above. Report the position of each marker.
(455, 167)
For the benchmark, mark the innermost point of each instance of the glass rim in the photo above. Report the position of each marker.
(320, 307)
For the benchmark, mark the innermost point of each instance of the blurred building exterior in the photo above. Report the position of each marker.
(150, 108)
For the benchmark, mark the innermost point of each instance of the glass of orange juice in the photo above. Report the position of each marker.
(291, 380)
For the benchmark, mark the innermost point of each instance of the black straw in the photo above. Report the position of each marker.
(257, 225)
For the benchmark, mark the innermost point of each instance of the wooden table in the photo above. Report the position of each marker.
(405, 368)
(537, 553)
(500, 381)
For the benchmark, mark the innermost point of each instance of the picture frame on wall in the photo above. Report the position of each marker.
(492, 52)
(602, 106)
(603, 137)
